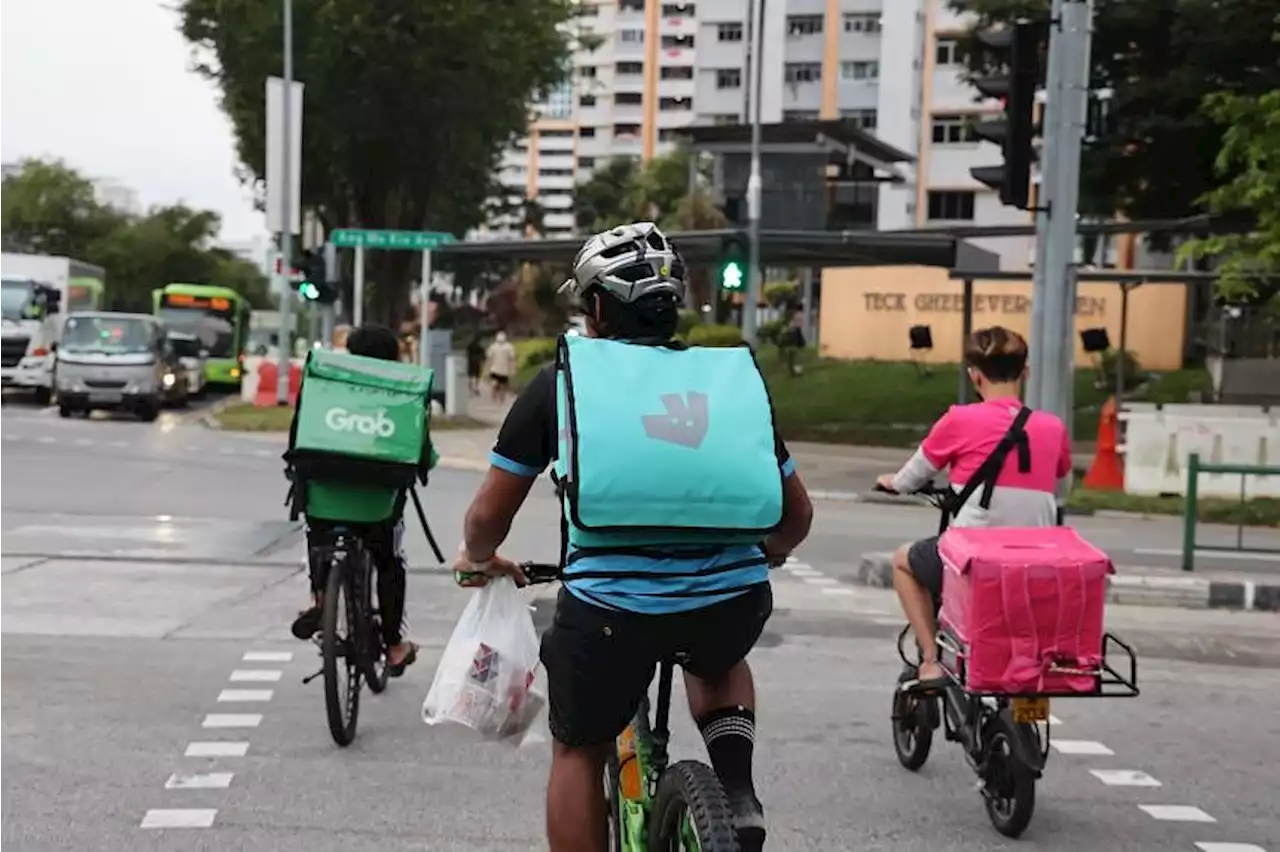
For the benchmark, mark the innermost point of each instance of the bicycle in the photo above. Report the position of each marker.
(1005, 737)
(654, 804)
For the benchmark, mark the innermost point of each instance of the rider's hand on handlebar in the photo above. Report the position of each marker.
(470, 574)
(884, 482)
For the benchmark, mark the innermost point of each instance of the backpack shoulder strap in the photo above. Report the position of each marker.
(989, 471)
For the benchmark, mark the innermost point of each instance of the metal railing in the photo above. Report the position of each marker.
(1194, 470)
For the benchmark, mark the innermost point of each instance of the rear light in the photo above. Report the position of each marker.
(39, 352)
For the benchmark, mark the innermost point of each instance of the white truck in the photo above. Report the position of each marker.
(36, 293)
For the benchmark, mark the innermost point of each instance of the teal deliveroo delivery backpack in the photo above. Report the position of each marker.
(360, 439)
(663, 445)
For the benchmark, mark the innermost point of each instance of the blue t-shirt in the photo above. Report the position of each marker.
(525, 448)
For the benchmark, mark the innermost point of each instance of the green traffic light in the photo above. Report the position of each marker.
(308, 291)
(731, 276)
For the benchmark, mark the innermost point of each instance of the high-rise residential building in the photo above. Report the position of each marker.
(659, 66)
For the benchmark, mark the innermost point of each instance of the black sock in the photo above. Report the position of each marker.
(730, 735)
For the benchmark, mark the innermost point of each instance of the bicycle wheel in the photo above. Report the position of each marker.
(373, 652)
(338, 627)
(691, 811)
(1009, 785)
(912, 731)
(613, 801)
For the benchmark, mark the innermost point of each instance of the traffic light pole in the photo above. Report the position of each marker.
(754, 272)
(1054, 296)
(286, 204)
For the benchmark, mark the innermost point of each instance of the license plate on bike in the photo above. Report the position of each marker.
(1026, 710)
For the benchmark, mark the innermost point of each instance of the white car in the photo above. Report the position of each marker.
(193, 356)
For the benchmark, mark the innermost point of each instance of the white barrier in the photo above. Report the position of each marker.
(1157, 444)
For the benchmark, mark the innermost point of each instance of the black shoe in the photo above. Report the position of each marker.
(307, 624)
(748, 823)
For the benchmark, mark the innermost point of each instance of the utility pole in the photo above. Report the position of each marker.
(1064, 129)
(286, 205)
(754, 273)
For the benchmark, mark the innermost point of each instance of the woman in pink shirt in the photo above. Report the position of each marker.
(1021, 493)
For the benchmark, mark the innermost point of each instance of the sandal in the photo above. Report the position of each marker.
(410, 658)
(926, 686)
(307, 624)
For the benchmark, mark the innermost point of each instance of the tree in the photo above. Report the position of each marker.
(49, 208)
(1160, 58)
(408, 104)
(1250, 157)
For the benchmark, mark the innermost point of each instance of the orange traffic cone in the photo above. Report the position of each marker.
(1106, 473)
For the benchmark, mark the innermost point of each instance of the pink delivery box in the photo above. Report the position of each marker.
(1025, 603)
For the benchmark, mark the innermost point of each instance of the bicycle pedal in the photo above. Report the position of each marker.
(310, 678)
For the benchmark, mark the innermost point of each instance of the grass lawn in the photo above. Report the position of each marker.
(245, 417)
(1258, 512)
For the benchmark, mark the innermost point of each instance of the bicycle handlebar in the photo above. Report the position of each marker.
(929, 489)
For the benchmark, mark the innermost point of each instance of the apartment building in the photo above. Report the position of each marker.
(660, 66)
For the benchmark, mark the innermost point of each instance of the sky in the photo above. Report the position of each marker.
(105, 85)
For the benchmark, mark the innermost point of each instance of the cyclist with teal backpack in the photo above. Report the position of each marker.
(358, 441)
(677, 494)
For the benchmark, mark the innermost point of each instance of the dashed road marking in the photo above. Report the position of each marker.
(232, 720)
(206, 781)
(179, 818)
(267, 656)
(1177, 813)
(218, 748)
(245, 695)
(1229, 847)
(820, 581)
(1081, 747)
(842, 590)
(1124, 778)
(256, 675)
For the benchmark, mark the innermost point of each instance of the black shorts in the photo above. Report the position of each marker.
(600, 662)
(500, 381)
(926, 566)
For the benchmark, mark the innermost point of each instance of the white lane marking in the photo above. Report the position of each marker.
(256, 675)
(1054, 720)
(1080, 747)
(791, 560)
(245, 695)
(1177, 813)
(1229, 847)
(805, 572)
(218, 748)
(84, 442)
(1124, 778)
(45, 439)
(119, 444)
(843, 590)
(821, 581)
(1210, 551)
(179, 818)
(207, 781)
(232, 720)
(267, 656)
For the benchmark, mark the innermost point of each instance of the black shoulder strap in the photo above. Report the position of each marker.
(561, 362)
(426, 528)
(986, 475)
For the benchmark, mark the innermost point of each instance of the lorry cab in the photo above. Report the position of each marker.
(31, 322)
(117, 361)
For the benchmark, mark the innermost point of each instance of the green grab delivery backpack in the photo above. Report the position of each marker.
(360, 437)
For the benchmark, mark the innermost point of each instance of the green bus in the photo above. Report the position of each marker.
(217, 316)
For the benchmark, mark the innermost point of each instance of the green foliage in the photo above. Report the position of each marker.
(771, 331)
(1161, 58)
(535, 351)
(714, 335)
(408, 105)
(49, 208)
(780, 293)
(1111, 360)
(687, 320)
(1250, 161)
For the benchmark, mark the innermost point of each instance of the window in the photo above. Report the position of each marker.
(865, 118)
(586, 162)
(628, 98)
(675, 42)
(800, 115)
(950, 205)
(861, 22)
(728, 78)
(630, 5)
(587, 10)
(678, 10)
(668, 134)
(631, 36)
(948, 52)
(587, 72)
(869, 70)
(803, 72)
(725, 118)
(802, 25)
(555, 172)
(586, 133)
(556, 134)
(729, 31)
(675, 104)
(587, 100)
(626, 68)
(634, 130)
(677, 72)
(953, 130)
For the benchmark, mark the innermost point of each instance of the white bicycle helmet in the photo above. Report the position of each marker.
(629, 261)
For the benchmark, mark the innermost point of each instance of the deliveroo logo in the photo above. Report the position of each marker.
(341, 420)
(685, 422)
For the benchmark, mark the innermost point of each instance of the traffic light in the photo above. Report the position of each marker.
(314, 287)
(1018, 48)
(733, 263)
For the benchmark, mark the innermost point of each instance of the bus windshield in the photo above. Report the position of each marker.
(211, 321)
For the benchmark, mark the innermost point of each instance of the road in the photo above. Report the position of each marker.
(149, 569)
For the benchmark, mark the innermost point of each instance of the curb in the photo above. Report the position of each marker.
(876, 569)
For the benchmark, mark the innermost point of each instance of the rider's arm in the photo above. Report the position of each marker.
(797, 510)
(523, 450)
(935, 453)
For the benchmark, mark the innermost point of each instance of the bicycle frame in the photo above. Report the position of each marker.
(646, 747)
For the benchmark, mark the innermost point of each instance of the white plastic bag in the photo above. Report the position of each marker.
(486, 677)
